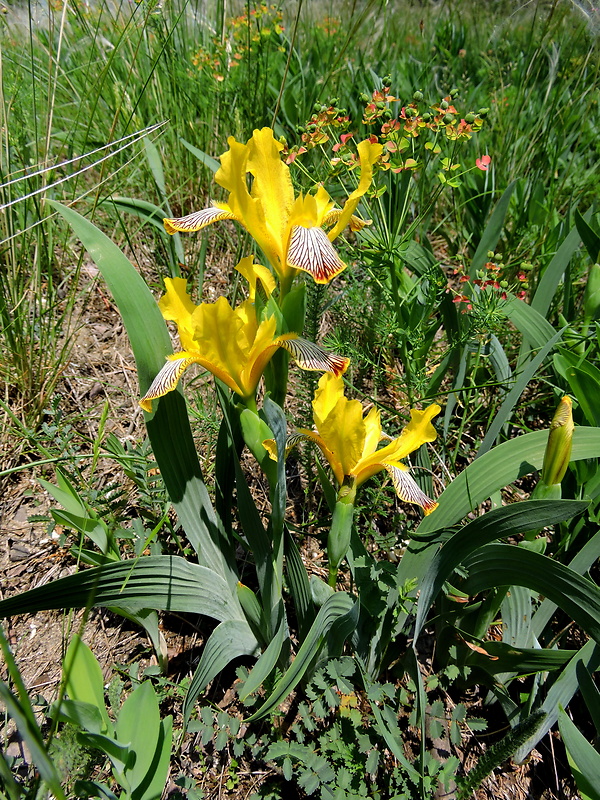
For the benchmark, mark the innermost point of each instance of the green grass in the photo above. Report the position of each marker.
(472, 288)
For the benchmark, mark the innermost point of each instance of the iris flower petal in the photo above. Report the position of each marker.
(344, 434)
(330, 456)
(311, 251)
(408, 490)
(288, 230)
(167, 379)
(176, 305)
(198, 220)
(372, 423)
(349, 441)
(255, 273)
(229, 342)
(310, 356)
(368, 153)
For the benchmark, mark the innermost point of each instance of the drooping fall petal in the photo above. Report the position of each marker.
(311, 251)
(198, 220)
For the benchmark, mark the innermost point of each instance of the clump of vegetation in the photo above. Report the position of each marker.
(376, 241)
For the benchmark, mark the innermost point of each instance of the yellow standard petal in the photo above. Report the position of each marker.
(224, 337)
(254, 273)
(329, 391)
(271, 195)
(343, 431)
(272, 188)
(177, 306)
(373, 431)
(418, 431)
(331, 457)
(368, 153)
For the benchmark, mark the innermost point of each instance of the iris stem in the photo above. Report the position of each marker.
(338, 541)
(250, 404)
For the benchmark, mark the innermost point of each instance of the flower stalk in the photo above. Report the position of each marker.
(340, 533)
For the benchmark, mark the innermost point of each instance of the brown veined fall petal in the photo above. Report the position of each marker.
(311, 251)
(356, 223)
(197, 220)
(407, 489)
(309, 355)
(166, 380)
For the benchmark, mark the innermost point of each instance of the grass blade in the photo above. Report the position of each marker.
(584, 559)
(493, 229)
(561, 692)
(534, 326)
(498, 468)
(167, 583)
(588, 235)
(168, 427)
(512, 397)
(584, 760)
(212, 164)
(502, 565)
(496, 524)
(555, 270)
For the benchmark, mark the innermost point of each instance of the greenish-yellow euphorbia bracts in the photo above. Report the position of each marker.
(229, 342)
(288, 229)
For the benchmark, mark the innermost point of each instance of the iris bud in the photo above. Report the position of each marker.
(558, 449)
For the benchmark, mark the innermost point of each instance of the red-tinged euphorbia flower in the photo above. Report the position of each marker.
(229, 342)
(483, 163)
(288, 229)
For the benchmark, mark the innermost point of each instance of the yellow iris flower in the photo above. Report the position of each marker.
(229, 342)
(288, 229)
(349, 441)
